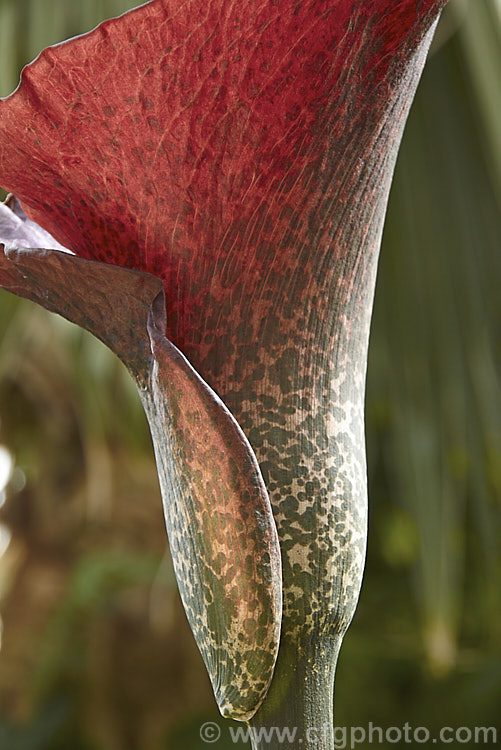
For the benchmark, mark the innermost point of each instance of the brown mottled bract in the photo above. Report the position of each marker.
(228, 568)
(111, 302)
(221, 530)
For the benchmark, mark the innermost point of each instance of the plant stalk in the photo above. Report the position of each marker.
(299, 709)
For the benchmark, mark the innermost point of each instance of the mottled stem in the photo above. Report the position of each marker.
(299, 708)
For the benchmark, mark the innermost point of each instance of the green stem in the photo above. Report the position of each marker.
(298, 712)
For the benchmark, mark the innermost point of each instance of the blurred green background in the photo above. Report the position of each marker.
(96, 653)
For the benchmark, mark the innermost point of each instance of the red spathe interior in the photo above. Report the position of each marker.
(199, 140)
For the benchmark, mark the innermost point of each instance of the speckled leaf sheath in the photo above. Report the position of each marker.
(221, 530)
(222, 535)
(243, 153)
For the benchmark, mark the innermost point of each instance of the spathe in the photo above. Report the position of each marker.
(243, 153)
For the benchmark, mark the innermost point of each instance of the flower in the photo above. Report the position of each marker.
(220, 172)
